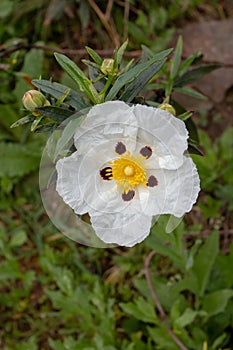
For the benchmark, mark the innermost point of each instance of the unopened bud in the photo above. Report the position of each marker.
(168, 107)
(107, 66)
(34, 99)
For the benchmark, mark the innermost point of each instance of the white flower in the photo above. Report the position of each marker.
(129, 166)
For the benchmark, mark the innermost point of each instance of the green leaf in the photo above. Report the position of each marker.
(17, 159)
(225, 263)
(194, 74)
(120, 52)
(56, 113)
(94, 56)
(57, 90)
(133, 73)
(177, 57)
(68, 133)
(186, 318)
(18, 239)
(192, 129)
(84, 84)
(204, 261)
(216, 302)
(162, 338)
(186, 115)
(62, 98)
(142, 310)
(28, 119)
(92, 65)
(139, 83)
(187, 62)
(36, 122)
(190, 92)
(45, 127)
(193, 149)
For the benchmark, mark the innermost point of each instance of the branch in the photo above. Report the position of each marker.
(70, 52)
(111, 32)
(158, 304)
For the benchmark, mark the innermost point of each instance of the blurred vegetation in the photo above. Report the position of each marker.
(56, 294)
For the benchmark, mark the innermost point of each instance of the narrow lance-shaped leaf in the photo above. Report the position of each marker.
(120, 52)
(187, 62)
(192, 129)
(91, 64)
(193, 149)
(132, 73)
(56, 90)
(140, 82)
(36, 122)
(77, 75)
(194, 74)
(56, 113)
(68, 133)
(29, 118)
(177, 57)
(46, 127)
(190, 92)
(62, 98)
(94, 55)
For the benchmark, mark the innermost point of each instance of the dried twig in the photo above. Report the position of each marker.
(110, 30)
(70, 52)
(158, 304)
(109, 9)
(126, 18)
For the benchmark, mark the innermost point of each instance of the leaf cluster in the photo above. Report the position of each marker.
(111, 78)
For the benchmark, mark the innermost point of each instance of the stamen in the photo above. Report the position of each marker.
(106, 173)
(120, 148)
(152, 181)
(128, 196)
(146, 152)
(129, 171)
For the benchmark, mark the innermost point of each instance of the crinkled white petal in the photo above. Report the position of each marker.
(120, 228)
(176, 192)
(68, 184)
(105, 121)
(166, 134)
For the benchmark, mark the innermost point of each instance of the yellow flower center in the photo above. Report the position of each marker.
(129, 172)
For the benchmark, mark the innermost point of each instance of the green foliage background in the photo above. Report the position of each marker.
(56, 294)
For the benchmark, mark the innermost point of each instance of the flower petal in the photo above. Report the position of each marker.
(120, 228)
(176, 191)
(164, 133)
(69, 185)
(114, 119)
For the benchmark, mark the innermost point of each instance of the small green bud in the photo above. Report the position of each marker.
(34, 99)
(168, 107)
(107, 66)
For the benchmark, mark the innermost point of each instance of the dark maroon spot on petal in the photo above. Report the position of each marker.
(120, 148)
(146, 152)
(128, 196)
(152, 181)
(106, 173)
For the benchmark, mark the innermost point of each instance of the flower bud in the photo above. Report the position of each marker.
(107, 66)
(168, 107)
(34, 99)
